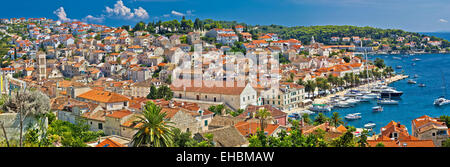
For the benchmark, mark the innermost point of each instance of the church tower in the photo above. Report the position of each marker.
(42, 65)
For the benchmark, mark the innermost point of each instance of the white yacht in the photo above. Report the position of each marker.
(353, 116)
(343, 104)
(411, 81)
(370, 125)
(387, 101)
(441, 101)
(320, 108)
(377, 109)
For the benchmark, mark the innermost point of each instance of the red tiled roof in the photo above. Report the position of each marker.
(103, 96)
(109, 143)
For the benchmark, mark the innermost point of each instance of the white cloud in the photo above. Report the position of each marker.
(443, 21)
(61, 13)
(90, 18)
(122, 11)
(177, 13)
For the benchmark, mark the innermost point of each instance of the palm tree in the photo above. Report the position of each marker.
(262, 114)
(320, 119)
(389, 70)
(301, 82)
(155, 130)
(336, 120)
(310, 86)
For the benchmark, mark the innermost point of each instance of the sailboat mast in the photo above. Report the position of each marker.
(443, 83)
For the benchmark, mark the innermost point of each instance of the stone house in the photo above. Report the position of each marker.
(427, 128)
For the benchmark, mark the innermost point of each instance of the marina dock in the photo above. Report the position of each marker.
(326, 99)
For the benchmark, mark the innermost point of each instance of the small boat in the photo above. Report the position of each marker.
(377, 109)
(361, 99)
(320, 108)
(422, 85)
(416, 76)
(411, 81)
(441, 101)
(387, 101)
(396, 58)
(343, 105)
(353, 116)
(416, 59)
(413, 64)
(352, 101)
(399, 67)
(370, 125)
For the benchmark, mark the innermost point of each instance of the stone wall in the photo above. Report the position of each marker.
(12, 125)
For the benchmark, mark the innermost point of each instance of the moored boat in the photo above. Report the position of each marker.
(353, 116)
(377, 109)
(320, 108)
(370, 125)
(391, 93)
(411, 81)
(387, 101)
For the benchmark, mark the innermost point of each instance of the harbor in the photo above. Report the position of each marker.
(417, 98)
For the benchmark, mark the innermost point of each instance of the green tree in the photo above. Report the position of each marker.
(310, 87)
(336, 120)
(346, 140)
(26, 103)
(139, 26)
(153, 92)
(320, 119)
(217, 110)
(380, 144)
(262, 114)
(164, 92)
(379, 63)
(362, 142)
(156, 130)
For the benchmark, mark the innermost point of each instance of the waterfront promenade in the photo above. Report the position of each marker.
(326, 99)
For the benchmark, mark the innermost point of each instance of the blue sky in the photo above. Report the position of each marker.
(410, 15)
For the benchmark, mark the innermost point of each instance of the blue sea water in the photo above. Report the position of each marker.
(433, 70)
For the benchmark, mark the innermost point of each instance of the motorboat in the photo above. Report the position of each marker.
(413, 64)
(416, 59)
(441, 101)
(411, 81)
(371, 96)
(353, 94)
(320, 108)
(387, 101)
(377, 109)
(396, 58)
(390, 93)
(399, 67)
(353, 116)
(370, 125)
(361, 99)
(305, 112)
(352, 101)
(343, 104)
(416, 76)
(422, 85)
